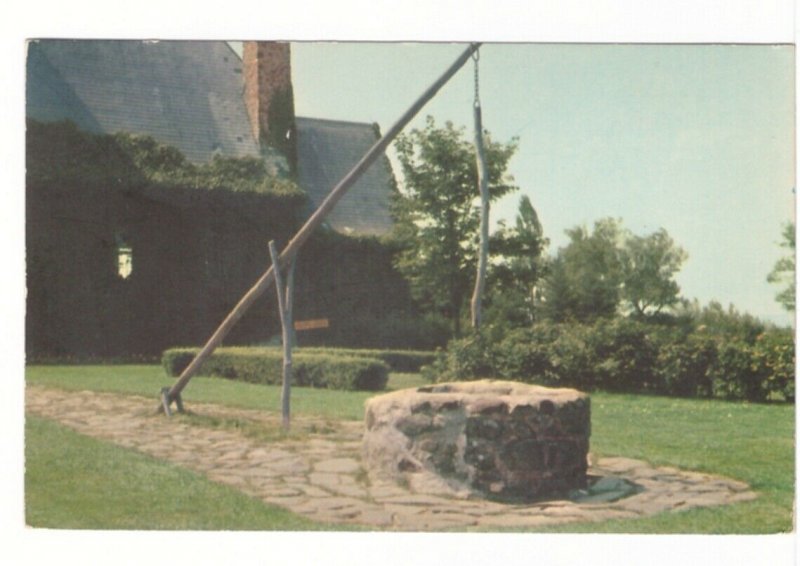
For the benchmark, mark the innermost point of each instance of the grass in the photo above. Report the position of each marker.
(753, 443)
(148, 381)
(749, 442)
(76, 482)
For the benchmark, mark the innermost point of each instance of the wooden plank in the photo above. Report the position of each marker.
(311, 324)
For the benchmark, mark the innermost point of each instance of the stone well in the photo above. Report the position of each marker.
(499, 439)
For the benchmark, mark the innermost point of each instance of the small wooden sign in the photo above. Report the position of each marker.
(311, 324)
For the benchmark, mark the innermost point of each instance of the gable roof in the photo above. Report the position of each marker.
(186, 94)
(326, 151)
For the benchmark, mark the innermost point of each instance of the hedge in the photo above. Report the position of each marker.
(265, 366)
(624, 355)
(397, 360)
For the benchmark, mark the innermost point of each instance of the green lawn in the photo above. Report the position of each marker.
(749, 442)
(76, 482)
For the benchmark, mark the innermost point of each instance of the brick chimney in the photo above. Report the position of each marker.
(268, 96)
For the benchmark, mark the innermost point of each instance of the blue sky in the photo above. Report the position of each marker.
(697, 139)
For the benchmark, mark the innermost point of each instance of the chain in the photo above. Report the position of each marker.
(476, 56)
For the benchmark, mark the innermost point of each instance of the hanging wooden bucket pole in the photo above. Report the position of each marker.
(311, 224)
(483, 185)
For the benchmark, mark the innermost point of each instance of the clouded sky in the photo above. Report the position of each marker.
(697, 139)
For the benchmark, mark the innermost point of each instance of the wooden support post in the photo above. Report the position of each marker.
(286, 337)
(311, 224)
(290, 301)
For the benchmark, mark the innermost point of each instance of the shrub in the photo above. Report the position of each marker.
(735, 374)
(465, 358)
(397, 360)
(573, 357)
(686, 369)
(627, 355)
(774, 352)
(526, 354)
(265, 366)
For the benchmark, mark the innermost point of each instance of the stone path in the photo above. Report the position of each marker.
(320, 476)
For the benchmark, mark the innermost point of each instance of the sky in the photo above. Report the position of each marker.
(695, 139)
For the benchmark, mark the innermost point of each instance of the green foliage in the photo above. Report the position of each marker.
(60, 153)
(265, 366)
(724, 324)
(625, 354)
(649, 264)
(585, 277)
(685, 368)
(465, 358)
(628, 355)
(600, 271)
(774, 356)
(436, 220)
(783, 273)
(397, 360)
(517, 268)
(198, 235)
(380, 330)
(736, 376)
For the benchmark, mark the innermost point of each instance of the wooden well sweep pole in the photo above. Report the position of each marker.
(311, 224)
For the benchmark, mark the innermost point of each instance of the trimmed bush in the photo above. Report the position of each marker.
(625, 355)
(465, 358)
(397, 360)
(265, 366)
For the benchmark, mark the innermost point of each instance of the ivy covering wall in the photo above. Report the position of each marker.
(197, 237)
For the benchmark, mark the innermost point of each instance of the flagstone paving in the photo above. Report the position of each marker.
(320, 475)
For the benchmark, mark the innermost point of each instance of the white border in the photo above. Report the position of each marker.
(652, 21)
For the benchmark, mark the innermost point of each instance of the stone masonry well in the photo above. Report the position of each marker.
(497, 439)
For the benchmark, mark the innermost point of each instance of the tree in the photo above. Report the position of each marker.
(783, 271)
(584, 279)
(649, 264)
(518, 266)
(436, 220)
(600, 271)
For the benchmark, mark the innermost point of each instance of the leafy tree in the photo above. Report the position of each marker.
(600, 271)
(584, 279)
(436, 219)
(783, 271)
(649, 264)
(518, 267)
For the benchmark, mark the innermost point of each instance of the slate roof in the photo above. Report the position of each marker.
(326, 151)
(188, 94)
(184, 94)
